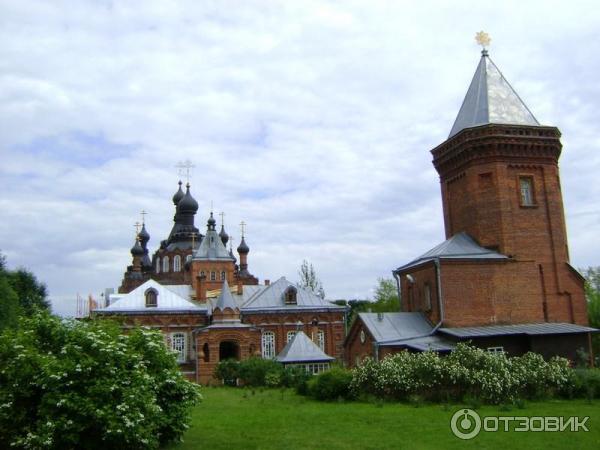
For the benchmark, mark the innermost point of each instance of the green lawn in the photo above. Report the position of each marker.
(230, 418)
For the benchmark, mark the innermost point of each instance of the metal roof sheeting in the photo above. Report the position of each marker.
(491, 99)
(302, 349)
(530, 329)
(459, 246)
(395, 326)
(166, 300)
(271, 297)
(422, 344)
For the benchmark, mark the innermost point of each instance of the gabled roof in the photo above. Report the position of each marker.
(272, 297)
(459, 246)
(386, 327)
(225, 299)
(166, 300)
(491, 99)
(525, 328)
(302, 349)
(212, 248)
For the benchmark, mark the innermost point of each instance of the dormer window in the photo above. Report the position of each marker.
(289, 296)
(151, 298)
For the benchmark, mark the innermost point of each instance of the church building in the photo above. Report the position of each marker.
(502, 278)
(211, 308)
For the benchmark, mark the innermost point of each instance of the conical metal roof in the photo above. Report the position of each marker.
(491, 99)
(225, 299)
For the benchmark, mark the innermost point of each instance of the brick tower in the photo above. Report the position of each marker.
(500, 184)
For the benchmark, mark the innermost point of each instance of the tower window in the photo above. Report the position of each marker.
(526, 191)
(165, 265)
(289, 296)
(157, 265)
(222, 275)
(202, 274)
(177, 263)
(213, 276)
(321, 339)
(151, 298)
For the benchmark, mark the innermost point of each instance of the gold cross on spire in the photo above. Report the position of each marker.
(222, 214)
(185, 166)
(243, 227)
(143, 213)
(483, 39)
(137, 228)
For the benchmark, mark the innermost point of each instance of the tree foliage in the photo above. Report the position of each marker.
(67, 384)
(592, 293)
(309, 279)
(20, 294)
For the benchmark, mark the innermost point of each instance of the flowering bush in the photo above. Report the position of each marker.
(467, 371)
(68, 384)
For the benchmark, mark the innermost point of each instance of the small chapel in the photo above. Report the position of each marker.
(211, 308)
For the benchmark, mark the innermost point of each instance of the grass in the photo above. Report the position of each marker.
(274, 419)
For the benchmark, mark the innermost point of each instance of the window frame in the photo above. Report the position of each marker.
(268, 344)
(147, 296)
(530, 179)
(166, 264)
(180, 350)
(290, 335)
(177, 263)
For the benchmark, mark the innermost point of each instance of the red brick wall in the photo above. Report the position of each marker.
(332, 323)
(479, 175)
(354, 349)
(413, 293)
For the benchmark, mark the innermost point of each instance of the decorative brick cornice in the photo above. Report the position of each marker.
(529, 145)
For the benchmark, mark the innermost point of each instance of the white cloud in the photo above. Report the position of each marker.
(311, 121)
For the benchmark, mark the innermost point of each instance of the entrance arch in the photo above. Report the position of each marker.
(229, 350)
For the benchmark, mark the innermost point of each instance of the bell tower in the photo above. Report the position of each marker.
(500, 184)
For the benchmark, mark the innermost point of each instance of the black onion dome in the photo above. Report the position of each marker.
(243, 247)
(223, 235)
(211, 222)
(178, 195)
(187, 204)
(143, 235)
(137, 249)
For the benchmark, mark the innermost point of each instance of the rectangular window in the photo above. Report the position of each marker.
(178, 345)
(495, 349)
(268, 345)
(290, 336)
(526, 191)
(213, 276)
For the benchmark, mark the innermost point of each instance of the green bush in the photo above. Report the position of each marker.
(586, 384)
(253, 371)
(331, 385)
(228, 371)
(468, 372)
(72, 384)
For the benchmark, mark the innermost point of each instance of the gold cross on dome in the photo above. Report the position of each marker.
(483, 39)
(143, 213)
(185, 166)
(222, 214)
(137, 228)
(243, 227)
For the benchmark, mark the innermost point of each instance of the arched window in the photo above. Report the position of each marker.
(165, 266)
(177, 263)
(289, 296)
(179, 345)
(151, 298)
(213, 276)
(188, 258)
(321, 339)
(157, 264)
(222, 275)
(268, 345)
(290, 335)
(202, 275)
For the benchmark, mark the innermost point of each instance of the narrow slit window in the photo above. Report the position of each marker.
(526, 190)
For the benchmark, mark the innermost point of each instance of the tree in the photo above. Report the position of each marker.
(68, 384)
(309, 279)
(592, 294)
(31, 293)
(386, 296)
(9, 301)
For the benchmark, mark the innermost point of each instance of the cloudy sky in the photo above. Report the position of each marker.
(310, 120)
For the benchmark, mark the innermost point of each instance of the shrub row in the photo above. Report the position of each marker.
(260, 372)
(466, 372)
